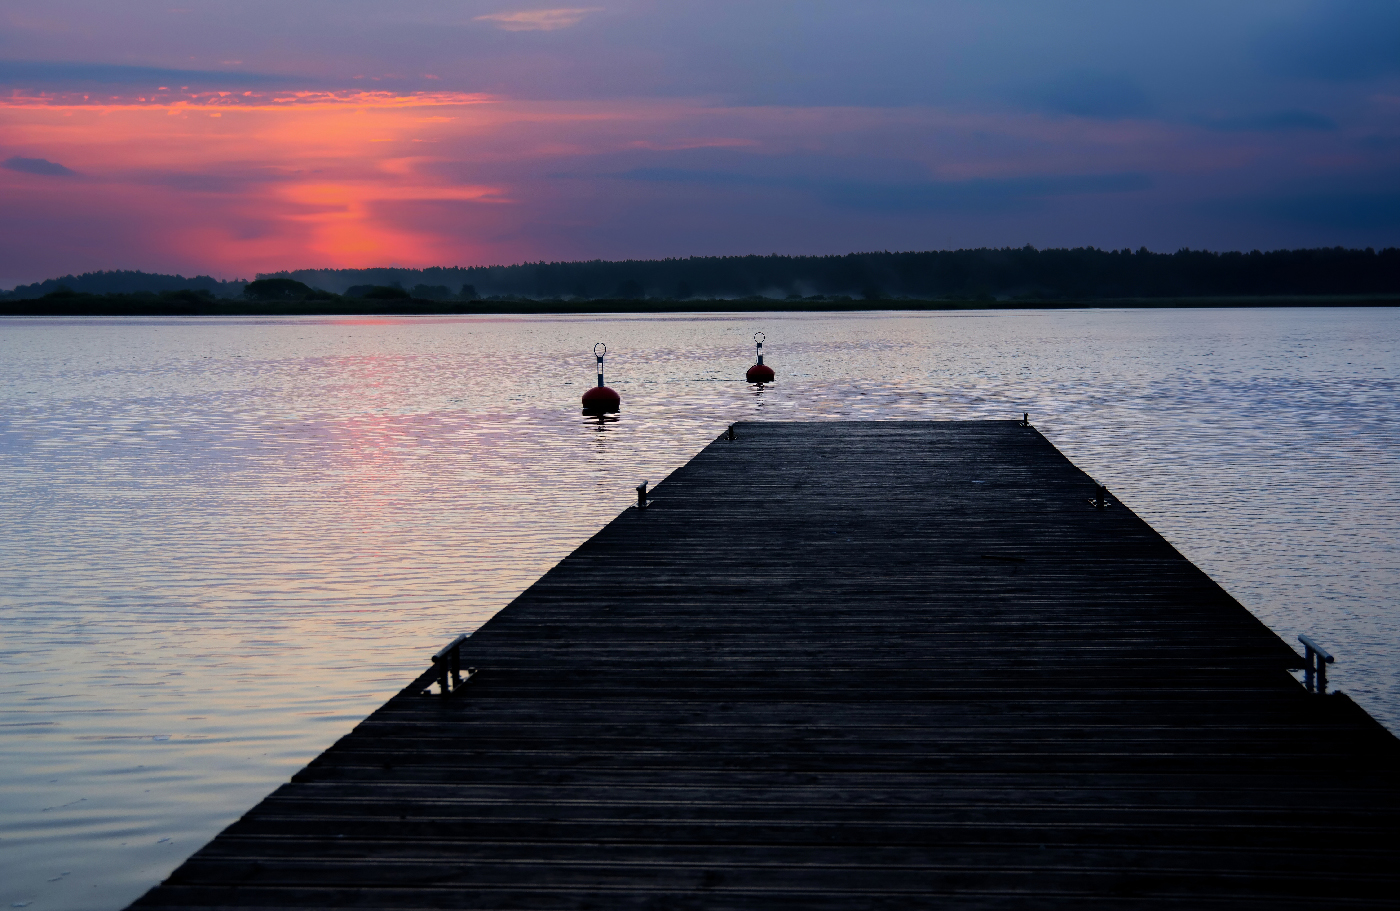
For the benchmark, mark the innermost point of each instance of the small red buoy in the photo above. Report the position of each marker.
(759, 373)
(600, 399)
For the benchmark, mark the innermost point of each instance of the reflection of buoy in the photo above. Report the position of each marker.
(759, 373)
(600, 399)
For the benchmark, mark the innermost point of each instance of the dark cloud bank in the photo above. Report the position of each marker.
(40, 166)
(986, 195)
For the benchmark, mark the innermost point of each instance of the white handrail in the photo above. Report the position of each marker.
(1315, 661)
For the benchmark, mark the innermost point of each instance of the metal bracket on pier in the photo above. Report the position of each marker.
(642, 495)
(448, 666)
(1315, 661)
(1025, 419)
(730, 435)
(1100, 499)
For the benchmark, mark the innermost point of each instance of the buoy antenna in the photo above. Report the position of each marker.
(599, 350)
(759, 337)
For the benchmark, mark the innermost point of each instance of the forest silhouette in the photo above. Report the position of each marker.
(1025, 276)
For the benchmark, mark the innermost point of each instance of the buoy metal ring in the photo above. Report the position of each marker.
(596, 352)
(759, 337)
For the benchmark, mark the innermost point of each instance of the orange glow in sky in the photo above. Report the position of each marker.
(263, 181)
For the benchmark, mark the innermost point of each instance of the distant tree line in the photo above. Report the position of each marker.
(1010, 274)
(126, 282)
(1023, 273)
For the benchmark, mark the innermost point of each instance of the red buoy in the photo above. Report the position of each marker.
(600, 399)
(759, 373)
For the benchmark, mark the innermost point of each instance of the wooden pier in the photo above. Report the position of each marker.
(845, 665)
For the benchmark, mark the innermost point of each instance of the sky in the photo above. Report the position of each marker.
(236, 137)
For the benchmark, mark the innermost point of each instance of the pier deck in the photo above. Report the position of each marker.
(846, 665)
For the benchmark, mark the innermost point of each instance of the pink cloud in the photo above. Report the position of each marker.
(539, 20)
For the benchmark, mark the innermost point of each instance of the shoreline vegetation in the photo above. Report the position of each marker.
(191, 304)
(981, 279)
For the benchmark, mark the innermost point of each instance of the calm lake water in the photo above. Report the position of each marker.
(224, 542)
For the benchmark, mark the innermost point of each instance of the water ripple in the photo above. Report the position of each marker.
(226, 541)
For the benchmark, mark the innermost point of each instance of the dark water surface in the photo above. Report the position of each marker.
(224, 542)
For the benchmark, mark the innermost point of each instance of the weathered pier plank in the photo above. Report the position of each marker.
(874, 665)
